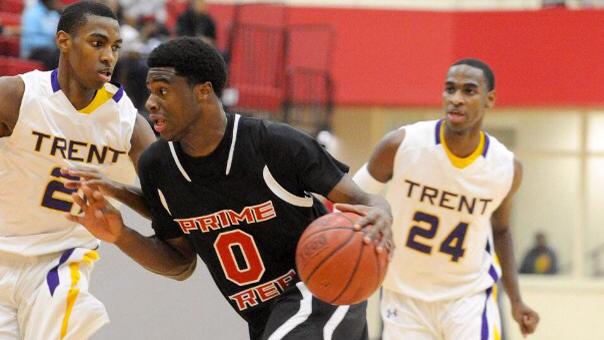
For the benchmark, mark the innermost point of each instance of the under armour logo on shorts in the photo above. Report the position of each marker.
(391, 313)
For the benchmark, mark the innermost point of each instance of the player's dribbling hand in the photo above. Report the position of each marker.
(526, 318)
(376, 223)
(92, 178)
(100, 218)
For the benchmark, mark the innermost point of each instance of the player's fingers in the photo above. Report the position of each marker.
(354, 208)
(79, 201)
(99, 213)
(73, 184)
(386, 240)
(530, 322)
(89, 193)
(102, 202)
(87, 175)
(73, 218)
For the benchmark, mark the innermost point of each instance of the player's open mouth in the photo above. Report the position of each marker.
(456, 116)
(105, 75)
(159, 125)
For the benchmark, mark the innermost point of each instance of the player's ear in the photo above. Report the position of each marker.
(491, 99)
(63, 40)
(204, 91)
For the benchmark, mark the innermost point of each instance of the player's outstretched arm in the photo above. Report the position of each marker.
(11, 93)
(373, 175)
(367, 182)
(526, 318)
(173, 258)
(374, 209)
(131, 195)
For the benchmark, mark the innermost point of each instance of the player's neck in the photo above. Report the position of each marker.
(205, 134)
(462, 143)
(78, 95)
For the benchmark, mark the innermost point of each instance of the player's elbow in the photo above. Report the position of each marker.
(184, 272)
(178, 273)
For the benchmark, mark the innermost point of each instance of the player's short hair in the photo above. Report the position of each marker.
(76, 15)
(193, 59)
(486, 70)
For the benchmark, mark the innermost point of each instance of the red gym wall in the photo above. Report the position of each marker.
(395, 57)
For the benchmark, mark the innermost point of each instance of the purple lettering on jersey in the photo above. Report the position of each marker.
(446, 199)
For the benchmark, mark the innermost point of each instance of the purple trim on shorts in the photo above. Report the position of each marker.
(493, 273)
(437, 131)
(54, 80)
(119, 94)
(492, 270)
(487, 142)
(484, 332)
(52, 278)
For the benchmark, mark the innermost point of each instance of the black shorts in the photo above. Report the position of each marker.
(297, 315)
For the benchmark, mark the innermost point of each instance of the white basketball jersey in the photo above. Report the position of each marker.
(441, 209)
(49, 134)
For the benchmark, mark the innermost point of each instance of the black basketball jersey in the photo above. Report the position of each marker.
(243, 207)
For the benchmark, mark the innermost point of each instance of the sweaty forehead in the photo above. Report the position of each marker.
(466, 74)
(165, 74)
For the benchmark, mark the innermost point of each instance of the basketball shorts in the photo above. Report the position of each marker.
(46, 297)
(297, 315)
(473, 317)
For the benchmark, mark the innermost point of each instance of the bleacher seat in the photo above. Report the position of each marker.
(10, 66)
(9, 46)
(12, 6)
(10, 19)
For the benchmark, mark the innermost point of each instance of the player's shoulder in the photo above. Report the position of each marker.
(420, 134)
(154, 155)
(423, 126)
(40, 82)
(10, 102)
(272, 134)
(119, 96)
(496, 150)
(12, 88)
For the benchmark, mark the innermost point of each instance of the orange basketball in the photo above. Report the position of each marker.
(334, 262)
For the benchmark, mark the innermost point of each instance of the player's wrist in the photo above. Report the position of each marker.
(116, 190)
(121, 236)
(516, 303)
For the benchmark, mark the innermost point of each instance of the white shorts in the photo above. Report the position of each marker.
(46, 297)
(471, 318)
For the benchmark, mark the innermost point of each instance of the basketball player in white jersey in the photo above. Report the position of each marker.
(450, 188)
(71, 116)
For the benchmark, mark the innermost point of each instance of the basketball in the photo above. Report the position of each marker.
(334, 262)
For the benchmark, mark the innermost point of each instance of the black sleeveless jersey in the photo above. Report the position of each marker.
(243, 207)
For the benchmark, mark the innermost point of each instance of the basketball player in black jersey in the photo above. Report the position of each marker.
(235, 191)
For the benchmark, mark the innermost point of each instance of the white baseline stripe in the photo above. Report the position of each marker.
(177, 161)
(230, 160)
(283, 194)
(299, 317)
(334, 321)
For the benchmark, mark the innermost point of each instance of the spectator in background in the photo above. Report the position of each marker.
(134, 10)
(541, 259)
(195, 21)
(9, 30)
(38, 28)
